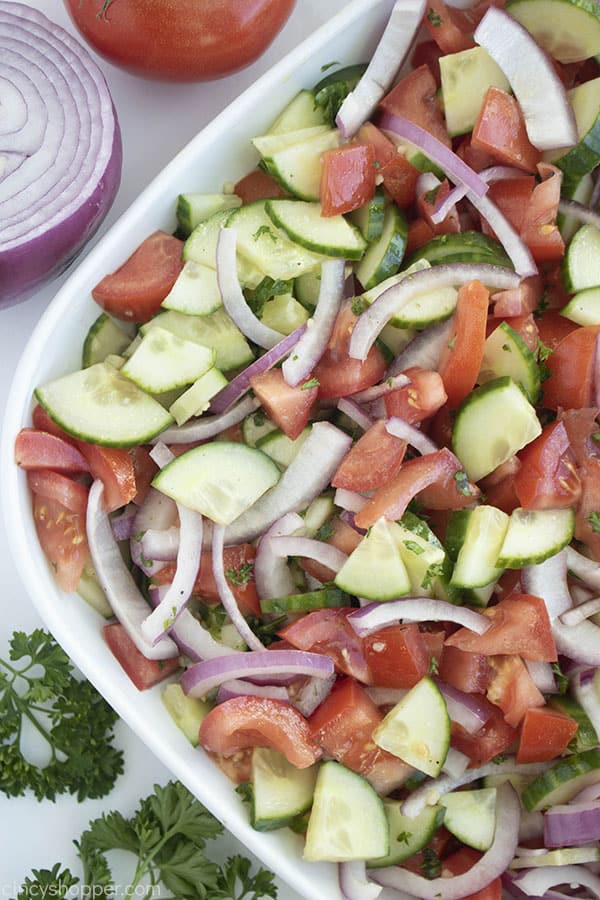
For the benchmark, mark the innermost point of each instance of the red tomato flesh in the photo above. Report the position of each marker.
(144, 673)
(418, 400)
(347, 178)
(547, 478)
(289, 407)
(461, 361)
(35, 449)
(372, 461)
(545, 734)
(500, 130)
(61, 533)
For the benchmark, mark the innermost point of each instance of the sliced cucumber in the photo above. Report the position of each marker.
(301, 112)
(307, 287)
(196, 399)
(304, 224)
(493, 423)
(407, 836)
(268, 144)
(384, 256)
(568, 29)
(562, 781)
(195, 292)
(318, 514)
(186, 712)
(297, 168)
(506, 353)
(101, 406)
(326, 597)
(201, 246)
(466, 247)
(395, 339)
(585, 156)
(421, 553)
(375, 569)
(90, 590)
(534, 535)
(348, 819)
(581, 264)
(466, 77)
(434, 306)
(417, 729)
(280, 790)
(369, 218)
(164, 361)
(471, 816)
(280, 448)
(221, 480)
(585, 737)
(256, 426)
(195, 208)
(284, 314)
(484, 531)
(104, 338)
(580, 189)
(216, 331)
(584, 307)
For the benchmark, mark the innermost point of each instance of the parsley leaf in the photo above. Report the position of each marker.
(237, 883)
(265, 290)
(542, 352)
(463, 485)
(434, 19)
(431, 865)
(241, 576)
(37, 684)
(594, 520)
(325, 532)
(562, 681)
(311, 383)
(48, 883)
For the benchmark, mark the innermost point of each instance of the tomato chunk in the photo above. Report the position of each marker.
(512, 688)
(461, 361)
(547, 478)
(259, 722)
(35, 449)
(418, 400)
(466, 671)
(258, 185)
(545, 733)
(414, 98)
(398, 656)
(372, 461)
(289, 407)
(135, 291)
(500, 130)
(493, 738)
(337, 373)
(116, 470)
(327, 631)
(571, 368)
(61, 533)
(463, 860)
(59, 488)
(144, 673)
(347, 178)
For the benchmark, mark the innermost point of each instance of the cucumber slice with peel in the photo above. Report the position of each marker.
(104, 338)
(375, 570)
(534, 535)
(348, 820)
(217, 331)
(304, 224)
(297, 168)
(383, 257)
(186, 712)
(195, 292)
(101, 406)
(506, 353)
(195, 208)
(164, 361)
(255, 426)
(466, 77)
(280, 448)
(369, 218)
(196, 399)
(465, 247)
(580, 267)
(326, 597)
(584, 307)
(471, 816)
(422, 554)
(562, 781)
(484, 532)
(407, 836)
(268, 144)
(585, 737)
(221, 480)
(585, 156)
(280, 790)
(568, 29)
(301, 112)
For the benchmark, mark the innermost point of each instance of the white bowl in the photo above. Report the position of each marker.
(221, 152)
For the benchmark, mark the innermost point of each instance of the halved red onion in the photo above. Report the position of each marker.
(355, 411)
(548, 580)
(579, 211)
(354, 883)
(464, 709)
(189, 551)
(310, 548)
(313, 343)
(578, 613)
(542, 676)
(238, 386)
(389, 55)
(572, 824)
(393, 383)
(312, 693)
(61, 145)
(238, 687)
(226, 595)
(157, 512)
(126, 601)
(424, 350)
(209, 426)
(351, 501)
(579, 642)
(272, 575)
(303, 480)
(415, 609)
(375, 318)
(202, 677)
(233, 297)
(161, 546)
(515, 247)
(411, 434)
(537, 882)
(190, 635)
(549, 117)
(490, 866)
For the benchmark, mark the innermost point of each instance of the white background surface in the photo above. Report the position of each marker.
(157, 120)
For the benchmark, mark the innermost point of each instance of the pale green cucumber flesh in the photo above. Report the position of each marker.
(562, 781)
(187, 712)
(194, 208)
(475, 564)
(568, 29)
(584, 307)
(104, 338)
(407, 836)
(466, 247)
(384, 256)
(466, 77)
(535, 535)
(506, 353)
(280, 448)
(164, 361)
(581, 263)
(375, 570)
(216, 331)
(303, 223)
(284, 314)
(471, 816)
(280, 790)
(195, 292)
(298, 167)
(196, 399)
(369, 218)
(301, 112)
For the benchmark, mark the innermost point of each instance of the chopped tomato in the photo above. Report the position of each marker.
(545, 734)
(60, 488)
(475, 157)
(259, 722)
(525, 325)
(461, 360)
(500, 130)
(512, 688)
(344, 538)
(463, 860)
(414, 98)
(511, 196)
(258, 185)
(492, 739)
(571, 366)
(427, 203)
(144, 469)
(383, 148)
(372, 461)
(398, 656)
(520, 624)
(400, 180)
(585, 522)
(136, 289)
(35, 449)
(418, 400)
(144, 672)
(61, 533)
(289, 407)
(328, 632)
(547, 478)
(115, 469)
(435, 849)
(539, 229)
(347, 178)
(446, 28)
(519, 303)
(427, 53)
(501, 494)
(464, 670)
(419, 233)
(553, 328)
(337, 373)
(42, 422)
(581, 425)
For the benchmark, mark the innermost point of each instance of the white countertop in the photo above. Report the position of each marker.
(157, 120)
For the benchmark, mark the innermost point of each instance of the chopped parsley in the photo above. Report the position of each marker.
(434, 19)
(241, 576)
(594, 520)
(311, 383)
(463, 485)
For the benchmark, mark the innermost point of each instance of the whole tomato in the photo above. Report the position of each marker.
(180, 40)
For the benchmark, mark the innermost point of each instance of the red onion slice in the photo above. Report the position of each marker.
(548, 580)
(415, 609)
(313, 343)
(233, 297)
(226, 595)
(321, 552)
(237, 687)
(122, 525)
(312, 694)
(354, 411)
(537, 882)
(493, 173)
(491, 865)
(579, 613)
(515, 247)
(272, 575)
(390, 302)
(349, 500)
(157, 512)
(62, 145)
(202, 677)
(190, 635)
(584, 568)
(573, 824)
(412, 435)
(354, 883)
(209, 426)
(389, 55)
(464, 709)
(161, 546)
(393, 383)
(425, 350)
(549, 116)
(579, 211)
(121, 591)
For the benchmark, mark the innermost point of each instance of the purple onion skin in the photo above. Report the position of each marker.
(24, 268)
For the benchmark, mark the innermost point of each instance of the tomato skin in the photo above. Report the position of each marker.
(553, 328)
(59, 488)
(337, 373)
(444, 27)
(135, 291)
(571, 366)
(427, 53)
(539, 230)
(398, 656)
(259, 722)
(493, 738)
(418, 400)
(144, 469)
(115, 468)
(258, 185)
(383, 148)
(144, 673)
(512, 688)
(182, 41)
(500, 130)
(547, 478)
(372, 461)
(419, 232)
(61, 533)
(35, 449)
(545, 734)
(289, 407)
(466, 671)
(327, 631)
(511, 196)
(347, 178)
(519, 303)
(461, 361)
(463, 860)
(414, 98)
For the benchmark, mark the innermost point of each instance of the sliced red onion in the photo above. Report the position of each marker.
(122, 525)
(493, 173)
(411, 434)
(158, 513)
(210, 426)
(385, 696)
(542, 676)
(237, 687)
(573, 824)
(238, 386)
(161, 546)
(548, 580)
(426, 182)
(549, 117)
(320, 551)
(490, 866)
(161, 454)
(312, 694)
(537, 882)
(304, 479)
(456, 763)
(354, 883)
(579, 211)
(393, 383)
(590, 792)
(587, 693)
(425, 349)
(375, 318)
(387, 59)
(466, 710)
(583, 611)
(313, 343)
(227, 596)
(116, 581)
(177, 596)
(349, 500)
(584, 568)
(204, 676)
(515, 247)
(272, 575)
(354, 411)
(415, 609)
(62, 145)
(579, 642)
(233, 297)
(192, 638)
(348, 517)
